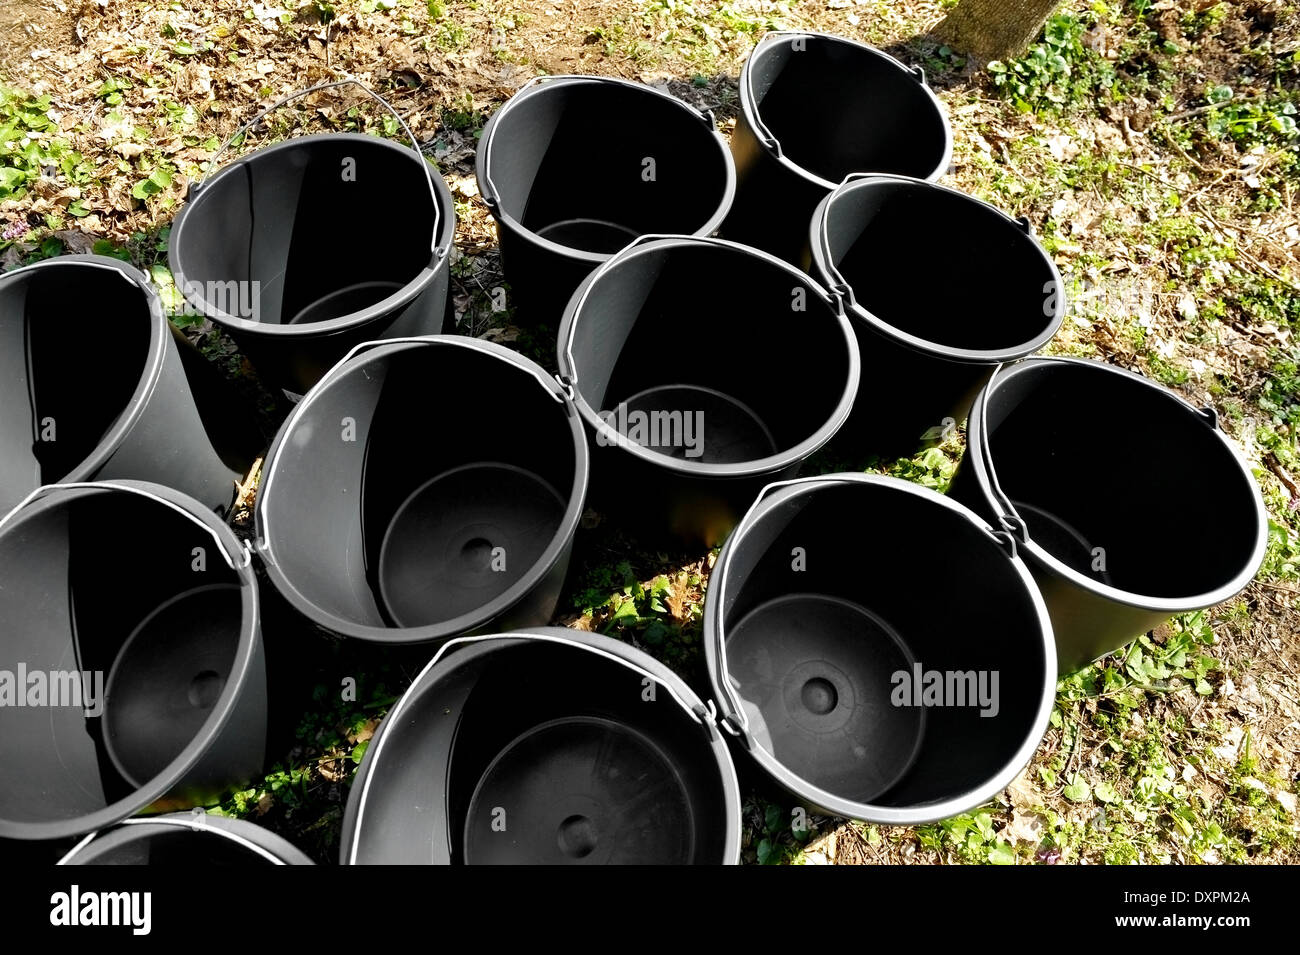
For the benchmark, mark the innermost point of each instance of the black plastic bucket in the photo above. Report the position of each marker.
(136, 401)
(575, 167)
(683, 446)
(1106, 478)
(186, 839)
(930, 348)
(425, 488)
(156, 652)
(550, 746)
(813, 109)
(267, 248)
(821, 639)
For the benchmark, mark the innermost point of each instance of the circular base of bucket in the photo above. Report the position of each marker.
(814, 674)
(167, 677)
(1060, 540)
(589, 235)
(581, 790)
(731, 431)
(462, 539)
(345, 301)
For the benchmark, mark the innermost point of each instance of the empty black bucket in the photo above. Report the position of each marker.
(575, 167)
(1106, 479)
(684, 446)
(929, 353)
(131, 675)
(426, 487)
(872, 686)
(547, 747)
(136, 402)
(813, 109)
(187, 839)
(268, 250)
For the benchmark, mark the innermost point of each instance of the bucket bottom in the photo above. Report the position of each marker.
(690, 422)
(589, 235)
(464, 538)
(1060, 540)
(814, 676)
(580, 790)
(167, 677)
(345, 301)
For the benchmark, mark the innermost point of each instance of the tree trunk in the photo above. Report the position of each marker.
(993, 29)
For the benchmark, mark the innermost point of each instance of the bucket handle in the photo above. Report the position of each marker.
(839, 284)
(732, 717)
(196, 823)
(760, 127)
(349, 81)
(571, 380)
(702, 715)
(236, 564)
(488, 189)
(1009, 519)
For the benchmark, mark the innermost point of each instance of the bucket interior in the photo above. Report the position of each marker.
(838, 107)
(167, 846)
(764, 377)
(996, 295)
(592, 165)
(276, 237)
(537, 753)
(1098, 460)
(62, 391)
(823, 658)
(420, 486)
(156, 630)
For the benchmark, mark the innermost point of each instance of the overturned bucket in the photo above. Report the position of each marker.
(1073, 457)
(424, 488)
(869, 686)
(137, 402)
(186, 839)
(682, 447)
(815, 108)
(267, 249)
(549, 746)
(575, 167)
(131, 676)
(929, 345)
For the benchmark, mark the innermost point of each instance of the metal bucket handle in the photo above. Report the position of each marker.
(415, 143)
(196, 823)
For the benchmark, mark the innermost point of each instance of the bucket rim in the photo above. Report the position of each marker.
(733, 720)
(354, 362)
(270, 846)
(236, 684)
(612, 650)
(159, 331)
(648, 244)
(539, 84)
(442, 244)
(749, 113)
(979, 453)
(819, 245)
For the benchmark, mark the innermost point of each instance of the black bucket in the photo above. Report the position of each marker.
(425, 488)
(772, 372)
(1091, 467)
(268, 250)
(135, 402)
(156, 651)
(188, 839)
(931, 353)
(550, 746)
(822, 644)
(575, 167)
(813, 109)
